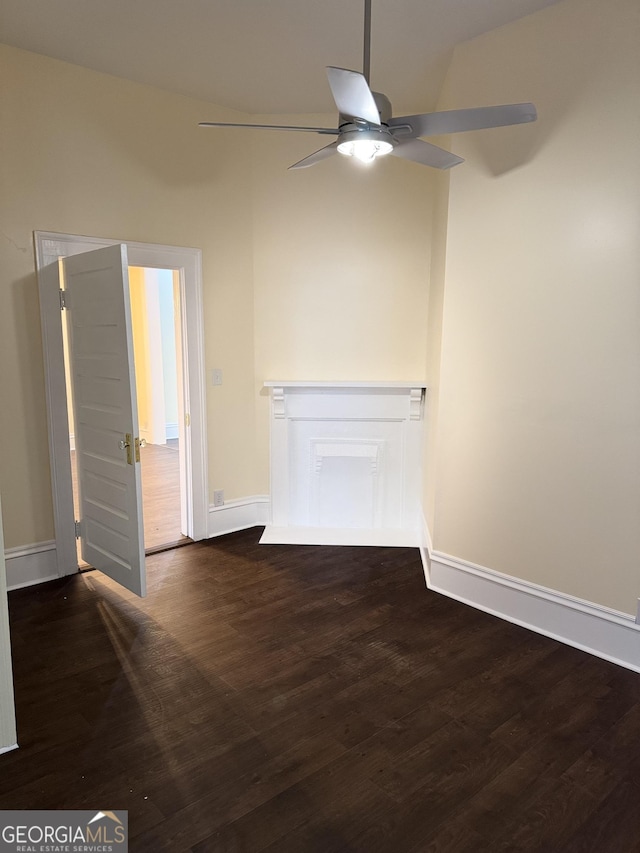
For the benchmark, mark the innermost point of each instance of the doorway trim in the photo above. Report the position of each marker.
(49, 247)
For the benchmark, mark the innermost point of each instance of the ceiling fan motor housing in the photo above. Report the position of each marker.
(357, 131)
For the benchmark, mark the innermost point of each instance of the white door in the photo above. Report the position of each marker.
(105, 412)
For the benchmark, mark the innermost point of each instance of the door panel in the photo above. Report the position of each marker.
(105, 411)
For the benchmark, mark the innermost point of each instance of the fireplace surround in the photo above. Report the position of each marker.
(345, 462)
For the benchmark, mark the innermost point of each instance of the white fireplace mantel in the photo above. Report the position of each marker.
(345, 462)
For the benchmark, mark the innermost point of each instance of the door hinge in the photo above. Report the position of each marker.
(77, 529)
(63, 299)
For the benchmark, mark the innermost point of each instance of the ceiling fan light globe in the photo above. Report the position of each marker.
(365, 150)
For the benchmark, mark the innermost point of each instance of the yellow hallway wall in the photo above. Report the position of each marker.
(140, 335)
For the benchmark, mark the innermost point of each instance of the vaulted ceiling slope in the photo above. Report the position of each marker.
(259, 56)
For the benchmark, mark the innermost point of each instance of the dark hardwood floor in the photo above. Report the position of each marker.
(315, 699)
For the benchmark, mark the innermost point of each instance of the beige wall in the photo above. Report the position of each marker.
(538, 429)
(434, 338)
(341, 259)
(85, 153)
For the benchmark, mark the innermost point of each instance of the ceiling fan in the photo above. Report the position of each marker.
(367, 129)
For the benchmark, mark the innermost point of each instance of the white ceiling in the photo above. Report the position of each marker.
(259, 56)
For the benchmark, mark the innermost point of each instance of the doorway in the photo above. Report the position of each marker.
(154, 296)
(185, 267)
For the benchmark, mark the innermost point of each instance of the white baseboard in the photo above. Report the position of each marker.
(339, 536)
(31, 564)
(171, 431)
(4, 749)
(425, 548)
(602, 632)
(238, 515)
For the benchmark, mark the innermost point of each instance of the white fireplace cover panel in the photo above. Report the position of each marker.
(345, 473)
(345, 457)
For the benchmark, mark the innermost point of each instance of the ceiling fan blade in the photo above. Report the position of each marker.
(426, 153)
(329, 130)
(352, 95)
(316, 157)
(457, 121)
